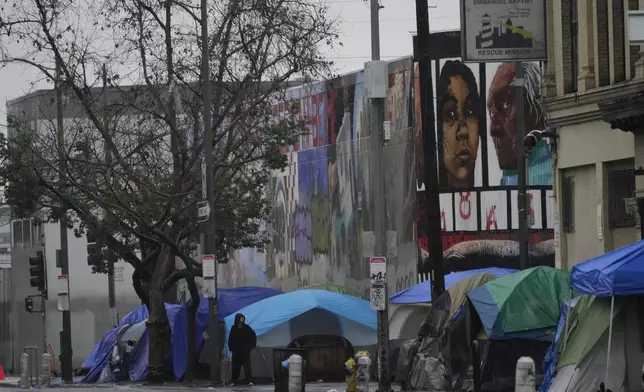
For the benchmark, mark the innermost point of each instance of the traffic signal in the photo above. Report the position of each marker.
(29, 304)
(37, 271)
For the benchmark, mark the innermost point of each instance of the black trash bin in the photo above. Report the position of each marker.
(280, 374)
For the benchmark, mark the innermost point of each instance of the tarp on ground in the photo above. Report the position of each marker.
(523, 305)
(230, 301)
(140, 361)
(444, 326)
(355, 317)
(422, 292)
(136, 316)
(620, 272)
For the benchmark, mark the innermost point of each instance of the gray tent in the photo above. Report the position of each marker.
(583, 356)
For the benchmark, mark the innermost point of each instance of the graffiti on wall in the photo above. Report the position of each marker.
(322, 204)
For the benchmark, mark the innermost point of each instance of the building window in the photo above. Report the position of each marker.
(633, 5)
(567, 204)
(603, 45)
(621, 185)
(569, 33)
(17, 232)
(619, 41)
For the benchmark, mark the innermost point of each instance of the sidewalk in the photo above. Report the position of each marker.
(13, 383)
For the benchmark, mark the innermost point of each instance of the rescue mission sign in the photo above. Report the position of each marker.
(503, 30)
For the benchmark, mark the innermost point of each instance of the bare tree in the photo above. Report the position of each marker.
(133, 149)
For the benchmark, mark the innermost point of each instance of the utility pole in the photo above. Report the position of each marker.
(108, 214)
(209, 240)
(432, 199)
(376, 125)
(521, 167)
(66, 336)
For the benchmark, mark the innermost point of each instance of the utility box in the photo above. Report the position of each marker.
(375, 79)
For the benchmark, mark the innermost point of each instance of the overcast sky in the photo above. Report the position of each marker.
(397, 21)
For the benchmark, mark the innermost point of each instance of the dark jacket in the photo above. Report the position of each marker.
(242, 339)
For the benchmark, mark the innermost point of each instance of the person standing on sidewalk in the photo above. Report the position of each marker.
(242, 339)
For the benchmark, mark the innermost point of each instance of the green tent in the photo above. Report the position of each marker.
(522, 305)
(582, 357)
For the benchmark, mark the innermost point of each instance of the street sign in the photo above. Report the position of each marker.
(378, 299)
(63, 293)
(118, 274)
(500, 31)
(203, 211)
(208, 266)
(378, 270)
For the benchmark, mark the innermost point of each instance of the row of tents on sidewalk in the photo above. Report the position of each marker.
(581, 328)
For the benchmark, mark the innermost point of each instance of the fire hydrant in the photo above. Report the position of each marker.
(355, 368)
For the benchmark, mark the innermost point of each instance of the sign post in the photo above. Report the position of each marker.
(379, 300)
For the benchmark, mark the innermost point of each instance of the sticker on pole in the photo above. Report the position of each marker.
(208, 267)
(378, 270)
(378, 300)
(63, 293)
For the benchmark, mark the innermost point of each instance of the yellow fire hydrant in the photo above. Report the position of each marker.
(351, 370)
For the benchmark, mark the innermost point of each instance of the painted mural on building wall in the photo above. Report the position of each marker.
(477, 163)
(321, 226)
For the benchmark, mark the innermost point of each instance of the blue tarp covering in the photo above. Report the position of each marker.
(620, 272)
(103, 349)
(550, 361)
(231, 300)
(269, 313)
(136, 316)
(422, 292)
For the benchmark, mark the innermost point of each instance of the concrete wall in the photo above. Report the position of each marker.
(91, 316)
(587, 151)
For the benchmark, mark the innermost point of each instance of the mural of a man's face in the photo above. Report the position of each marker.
(460, 127)
(502, 110)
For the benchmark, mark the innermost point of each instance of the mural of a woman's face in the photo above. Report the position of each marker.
(460, 128)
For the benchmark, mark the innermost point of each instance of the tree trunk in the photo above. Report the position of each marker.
(191, 331)
(158, 324)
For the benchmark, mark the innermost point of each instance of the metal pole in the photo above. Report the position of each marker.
(376, 118)
(432, 200)
(108, 164)
(521, 167)
(66, 349)
(209, 239)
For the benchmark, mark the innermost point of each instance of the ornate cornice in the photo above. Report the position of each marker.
(583, 107)
(626, 113)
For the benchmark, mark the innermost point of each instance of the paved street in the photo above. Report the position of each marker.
(11, 385)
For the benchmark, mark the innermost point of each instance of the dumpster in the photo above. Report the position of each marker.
(280, 373)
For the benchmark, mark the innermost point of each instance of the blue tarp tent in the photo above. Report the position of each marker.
(231, 300)
(422, 292)
(271, 317)
(136, 316)
(103, 350)
(620, 272)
